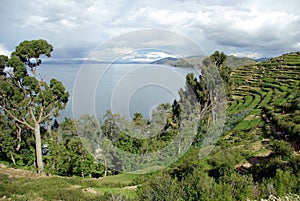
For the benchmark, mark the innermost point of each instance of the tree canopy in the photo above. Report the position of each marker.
(29, 52)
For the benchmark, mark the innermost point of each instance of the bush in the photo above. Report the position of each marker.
(282, 149)
(285, 182)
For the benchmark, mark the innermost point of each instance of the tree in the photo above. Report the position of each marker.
(218, 58)
(29, 52)
(26, 100)
(109, 126)
(3, 63)
(138, 119)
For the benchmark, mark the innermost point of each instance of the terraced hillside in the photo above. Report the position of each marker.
(265, 103)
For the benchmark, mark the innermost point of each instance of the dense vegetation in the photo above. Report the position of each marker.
(256, 156)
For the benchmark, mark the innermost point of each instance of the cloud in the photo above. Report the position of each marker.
(146, 55)
(253, 55)
(150, 44)
(262, 26)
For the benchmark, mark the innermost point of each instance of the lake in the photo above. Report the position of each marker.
(122, 88)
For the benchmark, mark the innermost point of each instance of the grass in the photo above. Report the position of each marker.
(125, 193)
(68, 188)
(247, 102)
(267, 98)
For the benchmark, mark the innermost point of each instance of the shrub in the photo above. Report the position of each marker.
(282, 149)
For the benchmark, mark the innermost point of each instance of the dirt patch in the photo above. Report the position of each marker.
(75, 187)
(90, 190)
(18, 173)
(131, 187)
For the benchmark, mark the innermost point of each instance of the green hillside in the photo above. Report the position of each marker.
(235, 62)
(258, 154)
(256, 157)
(268, 94)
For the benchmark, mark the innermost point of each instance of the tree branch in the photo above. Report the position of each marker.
(41, 114)
(16, 119)
(32, 115)
(46, 116)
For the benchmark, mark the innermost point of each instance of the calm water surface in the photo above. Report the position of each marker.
(122, 88)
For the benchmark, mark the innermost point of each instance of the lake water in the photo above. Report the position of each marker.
(122, 88)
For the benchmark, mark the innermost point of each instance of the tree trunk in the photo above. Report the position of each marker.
(105, 165)
(12, 158)
(19, 130)
(38, 148)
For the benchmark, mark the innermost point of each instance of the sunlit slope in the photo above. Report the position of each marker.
(266, 101)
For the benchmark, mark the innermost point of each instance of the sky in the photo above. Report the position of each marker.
(252, 28)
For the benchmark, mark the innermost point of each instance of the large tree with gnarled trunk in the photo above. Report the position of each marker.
(27, 100)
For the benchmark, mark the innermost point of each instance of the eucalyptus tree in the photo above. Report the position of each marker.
(3, 63)
(219, 58)
(29, 53)
(26, 100)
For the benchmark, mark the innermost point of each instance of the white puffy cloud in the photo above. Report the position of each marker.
(248, 54)
(264, 27)
(146, 56)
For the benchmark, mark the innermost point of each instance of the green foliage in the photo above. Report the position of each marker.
(109, 125)
(68, 155)
(3, 64)
(28, 50)
(218, 58)
(160, 187)
(63, 188)
(138, 120)
(197, 89)
(197, 185)
(282, 149)
(286, 182)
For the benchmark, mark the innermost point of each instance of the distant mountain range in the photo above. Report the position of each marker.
(192, 61)
(65, 62)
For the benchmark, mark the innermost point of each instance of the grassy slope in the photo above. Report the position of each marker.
(23, 185)
(255, 87)
(247, 134)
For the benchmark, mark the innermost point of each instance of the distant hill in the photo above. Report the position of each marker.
(166, 61)
(232, 61)
(192, 61)
(181, 62)
(235, 62)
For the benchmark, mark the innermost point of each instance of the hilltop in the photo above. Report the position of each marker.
(231, 61)
(235, 62)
